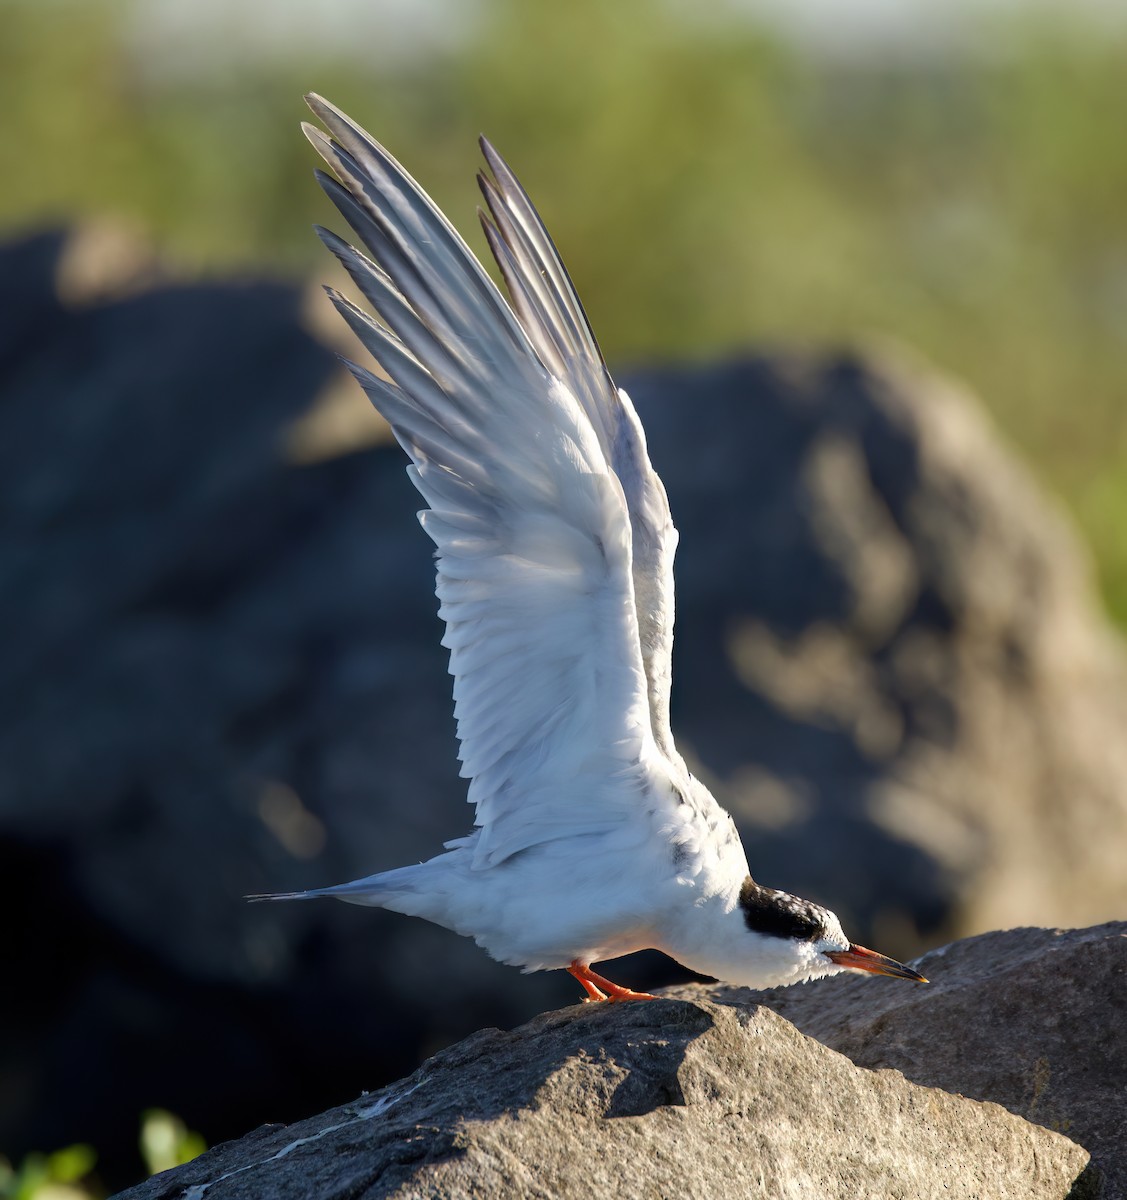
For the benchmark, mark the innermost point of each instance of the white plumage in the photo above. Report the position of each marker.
(554, 549)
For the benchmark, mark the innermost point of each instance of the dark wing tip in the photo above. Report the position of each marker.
(490, 191)
(497, 164)
(332, 241)
(318, 139)
(319, 106)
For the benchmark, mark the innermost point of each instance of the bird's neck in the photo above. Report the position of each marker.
(712, 937)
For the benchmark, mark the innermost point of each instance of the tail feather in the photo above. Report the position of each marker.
(390, 889)
(279, 896)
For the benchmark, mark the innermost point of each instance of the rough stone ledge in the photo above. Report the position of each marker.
(714, 1095)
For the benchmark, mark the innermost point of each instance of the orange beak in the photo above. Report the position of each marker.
(857, 958)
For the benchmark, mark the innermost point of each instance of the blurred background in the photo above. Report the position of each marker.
(900, 598)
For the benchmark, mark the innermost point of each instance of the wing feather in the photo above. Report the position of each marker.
(510, 443)
(552, 313)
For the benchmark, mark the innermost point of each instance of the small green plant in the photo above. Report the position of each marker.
(166, 1141)
(62, 1175)
(67, 1174)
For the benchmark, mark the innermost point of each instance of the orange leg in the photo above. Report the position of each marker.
(592, 991)
(598, 988)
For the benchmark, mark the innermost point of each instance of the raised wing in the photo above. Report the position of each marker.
(512, 451)
(552, 315)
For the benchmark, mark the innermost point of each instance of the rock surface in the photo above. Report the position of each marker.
(223, 675)
(665, 1098)
(1032, 1019)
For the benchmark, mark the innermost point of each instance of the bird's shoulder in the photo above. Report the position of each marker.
(703, 841)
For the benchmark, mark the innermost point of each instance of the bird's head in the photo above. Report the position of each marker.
(803, 941)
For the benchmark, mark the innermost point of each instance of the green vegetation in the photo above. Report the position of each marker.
(68, 1174)
(709, 190)
(166, 1142)
(62, 1175)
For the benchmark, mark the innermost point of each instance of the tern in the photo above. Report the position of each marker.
(554, 547)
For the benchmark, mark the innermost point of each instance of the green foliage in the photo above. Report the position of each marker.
(166, 1142)
(67, 1174)
(58, 1176)
(709, 190)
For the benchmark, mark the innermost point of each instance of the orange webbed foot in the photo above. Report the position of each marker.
(599, 988)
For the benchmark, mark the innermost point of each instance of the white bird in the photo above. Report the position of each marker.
(554, 549)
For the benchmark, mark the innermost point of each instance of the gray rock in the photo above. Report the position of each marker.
(667, 1098)
(1032, 1019)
